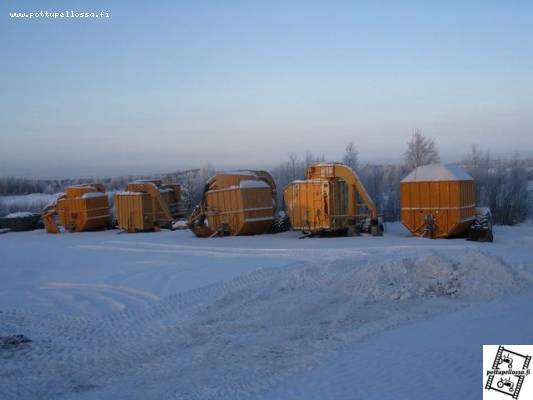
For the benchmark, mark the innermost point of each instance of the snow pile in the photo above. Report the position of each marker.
(93, 195)
(146, 182)
(20, 214)
(180, 224)
(127, 193)
(83, 185)
(253, 184)
(238, 172)
(29, 202)
(438, 172)
(235, 338)
(474, 275)
(248, 184)
(140, 181)
(471, 275)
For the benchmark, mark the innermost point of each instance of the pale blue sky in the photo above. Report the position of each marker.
(165, 85)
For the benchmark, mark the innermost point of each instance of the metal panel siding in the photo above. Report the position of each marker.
(245, 211)
(451, 204)
(78, 191)
(291, 196)
(97, 212)
(79, 214)
(340, 199)
(317, 204)
(134, 212)
(165, 199)
(296, 195)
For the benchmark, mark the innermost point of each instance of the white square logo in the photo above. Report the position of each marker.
(507, 373)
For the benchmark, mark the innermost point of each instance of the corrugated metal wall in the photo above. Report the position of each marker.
(450, 203)
(317, 204)
(84, 214)
(244, 211)
(134, 212)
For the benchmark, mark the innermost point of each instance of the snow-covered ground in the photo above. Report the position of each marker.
(33, 202)
(29, 199)
(167, 315)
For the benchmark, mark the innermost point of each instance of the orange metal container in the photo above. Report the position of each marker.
(171, 193)
(317, 205)
(165, 199)
(84, 208)
(79, 190)
(241, 203)
(441, 194)
(330, 199)
(134, 211)
(244, 211)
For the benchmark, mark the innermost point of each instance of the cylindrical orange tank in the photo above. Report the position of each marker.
(438, 201)
(241, 203)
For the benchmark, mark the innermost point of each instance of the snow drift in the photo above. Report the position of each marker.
(232, 339)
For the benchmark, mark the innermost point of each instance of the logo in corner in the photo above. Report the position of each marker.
(507, 372)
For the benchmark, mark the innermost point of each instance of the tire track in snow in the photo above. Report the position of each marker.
(135, 293)
(250, 332)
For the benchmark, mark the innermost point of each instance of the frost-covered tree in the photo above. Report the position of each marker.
(420, 151)
(373, 177)
(3, 208)
(507, 194)
(351, 156)
(501, 185)
(311, 159)
(192, 183)
(383, 185)
(292, 169)
(476, 156)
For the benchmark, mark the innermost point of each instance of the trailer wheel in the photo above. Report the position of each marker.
(481, 228)
(376, 228)
(281, 223)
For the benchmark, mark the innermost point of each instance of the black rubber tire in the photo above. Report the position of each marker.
(281, 223)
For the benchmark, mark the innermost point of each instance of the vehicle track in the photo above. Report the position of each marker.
(230, 339)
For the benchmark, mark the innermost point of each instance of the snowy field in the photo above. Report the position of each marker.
(170, 316)
(33, 202)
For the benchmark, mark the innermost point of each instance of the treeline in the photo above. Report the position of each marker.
(11, 186)
(501, 185)
(192, 182)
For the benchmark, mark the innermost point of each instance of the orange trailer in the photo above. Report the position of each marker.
(331, 199)
(438, 201)
(240, 203)
(134, 212)
(80, 208)
(166, 199)
(147, 205)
